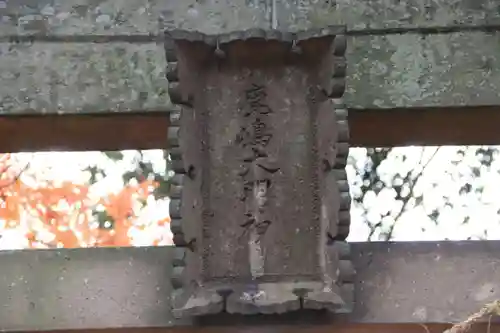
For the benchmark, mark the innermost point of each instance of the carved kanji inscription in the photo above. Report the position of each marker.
(259, 149)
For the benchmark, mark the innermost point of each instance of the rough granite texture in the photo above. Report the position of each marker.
(99, 288)
(415, 70)
(120, 17)
(82, 77)
(382, 14)
(126, 17)
(383, 71)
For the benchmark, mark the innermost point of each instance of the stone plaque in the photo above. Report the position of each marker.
(260, 200)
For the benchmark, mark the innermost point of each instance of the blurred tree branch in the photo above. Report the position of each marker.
(411, 179)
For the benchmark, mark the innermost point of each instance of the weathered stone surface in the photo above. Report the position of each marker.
(71, 77)
(382, 72)
(416, 70)
(98, 288)
(260, 126)
(78, 17)
(60, 289)
(115, 17)
(380, 14)
(125, 17)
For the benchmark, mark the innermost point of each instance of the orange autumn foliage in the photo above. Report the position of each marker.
(60, 214)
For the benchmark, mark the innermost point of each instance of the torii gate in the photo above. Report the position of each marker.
(416, 74)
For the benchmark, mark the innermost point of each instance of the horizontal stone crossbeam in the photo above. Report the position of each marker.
(130, 287)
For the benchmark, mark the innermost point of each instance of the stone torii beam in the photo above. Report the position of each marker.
(398, 287)
(86, 51)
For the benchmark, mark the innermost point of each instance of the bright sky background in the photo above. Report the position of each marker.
(441, 179)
